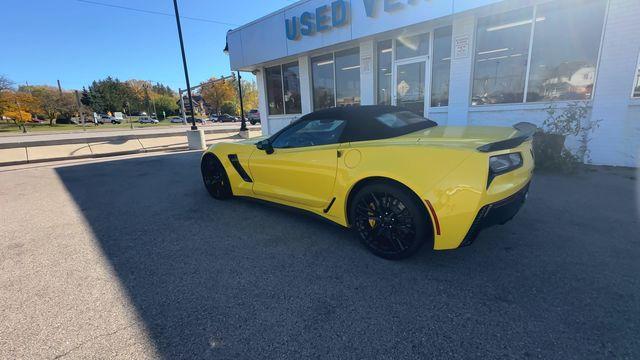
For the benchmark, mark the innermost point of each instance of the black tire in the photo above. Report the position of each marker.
(252, 122)
(215, 178)
(389, 220)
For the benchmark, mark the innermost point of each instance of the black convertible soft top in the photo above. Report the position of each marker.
(364, 122)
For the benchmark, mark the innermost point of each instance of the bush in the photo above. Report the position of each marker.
(549, 143)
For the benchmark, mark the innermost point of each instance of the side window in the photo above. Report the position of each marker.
(310, 133)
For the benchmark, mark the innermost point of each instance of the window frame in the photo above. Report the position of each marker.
(266, 87)
(427, 59)
(534, 13)
(432, 67)
(636, 79)
(335, 84)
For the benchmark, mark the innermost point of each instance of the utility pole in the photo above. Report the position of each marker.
(59, 87)
(184, 65)
(80, 109)
(184, 115)
(24, 125)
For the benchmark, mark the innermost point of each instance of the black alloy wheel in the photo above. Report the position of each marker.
(389, 221)
(215, 177)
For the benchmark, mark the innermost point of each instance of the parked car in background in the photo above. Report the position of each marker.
(176, 120)
(253, 116)
(118, 118)
(105, 119)
(227, 118)
(147, 120)
(213, 118)
(66, 121)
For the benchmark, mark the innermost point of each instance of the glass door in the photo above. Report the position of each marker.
(410, 84)
(410, 72)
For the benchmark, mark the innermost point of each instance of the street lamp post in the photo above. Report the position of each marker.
(184, 65)
(243, 123)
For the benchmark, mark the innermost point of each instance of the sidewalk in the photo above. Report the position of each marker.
(53, 147)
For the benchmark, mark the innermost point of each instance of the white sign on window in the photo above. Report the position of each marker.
(461, 46)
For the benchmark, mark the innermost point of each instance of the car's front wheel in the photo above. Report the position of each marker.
(215, 177)
(389, 220)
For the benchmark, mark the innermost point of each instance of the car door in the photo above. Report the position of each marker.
(302, 167)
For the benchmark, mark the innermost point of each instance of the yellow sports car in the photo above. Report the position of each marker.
(398, 179)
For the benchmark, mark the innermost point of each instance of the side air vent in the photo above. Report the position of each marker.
(236, 165)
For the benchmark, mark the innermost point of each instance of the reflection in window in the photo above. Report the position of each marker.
(441, 67)
(291, 81)
(310, 133)
(502, 48)
(322, 78)
(384, 72)
(565, 50)
(273, 77)
(283, 80)
(336, 79)
(412, 46)
(636, 86)
(347, 65)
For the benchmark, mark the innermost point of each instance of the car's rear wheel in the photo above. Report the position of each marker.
(389, 220)
(215, 177)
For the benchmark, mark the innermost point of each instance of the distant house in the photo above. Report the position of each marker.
(198, 102)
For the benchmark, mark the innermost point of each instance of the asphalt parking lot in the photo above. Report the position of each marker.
(130, 258)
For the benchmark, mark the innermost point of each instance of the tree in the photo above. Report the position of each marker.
(163, 90)
(18, 106)
(165, 104)
(215, 94)
(249, 95)
(111, 95)
(53, 103)
(5, 83)
(229, 107)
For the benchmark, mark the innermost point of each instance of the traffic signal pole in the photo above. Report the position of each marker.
(184, 65)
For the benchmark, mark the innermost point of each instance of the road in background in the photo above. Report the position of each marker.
(90, 133)
(130, 258)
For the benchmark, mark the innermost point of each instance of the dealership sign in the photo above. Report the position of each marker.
(337, 14)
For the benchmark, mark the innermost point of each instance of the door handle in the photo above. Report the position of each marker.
(339, 153)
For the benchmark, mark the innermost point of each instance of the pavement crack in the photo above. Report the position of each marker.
(93, 338)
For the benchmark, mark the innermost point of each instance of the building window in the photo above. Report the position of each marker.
(283, 89)
(291, 81)
(636, 84)
(336, 79)
(502, 49)
(412, 46)
(347, 64)
(385, 51)
(564, 41)
(274, 90)
(565, 49)
(441, 66)
(323, 85)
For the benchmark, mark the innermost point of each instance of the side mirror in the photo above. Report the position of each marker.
(265, 145)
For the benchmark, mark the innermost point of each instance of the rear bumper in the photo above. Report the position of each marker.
(497, 213)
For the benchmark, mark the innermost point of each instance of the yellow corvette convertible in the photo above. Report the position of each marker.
(397, 179)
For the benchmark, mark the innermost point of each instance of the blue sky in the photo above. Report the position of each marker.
(77, 42)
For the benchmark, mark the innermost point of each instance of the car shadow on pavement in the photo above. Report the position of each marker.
(244, 279)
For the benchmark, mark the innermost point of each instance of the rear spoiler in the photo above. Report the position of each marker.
(525, 131)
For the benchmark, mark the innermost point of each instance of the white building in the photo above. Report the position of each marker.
(460, 62)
